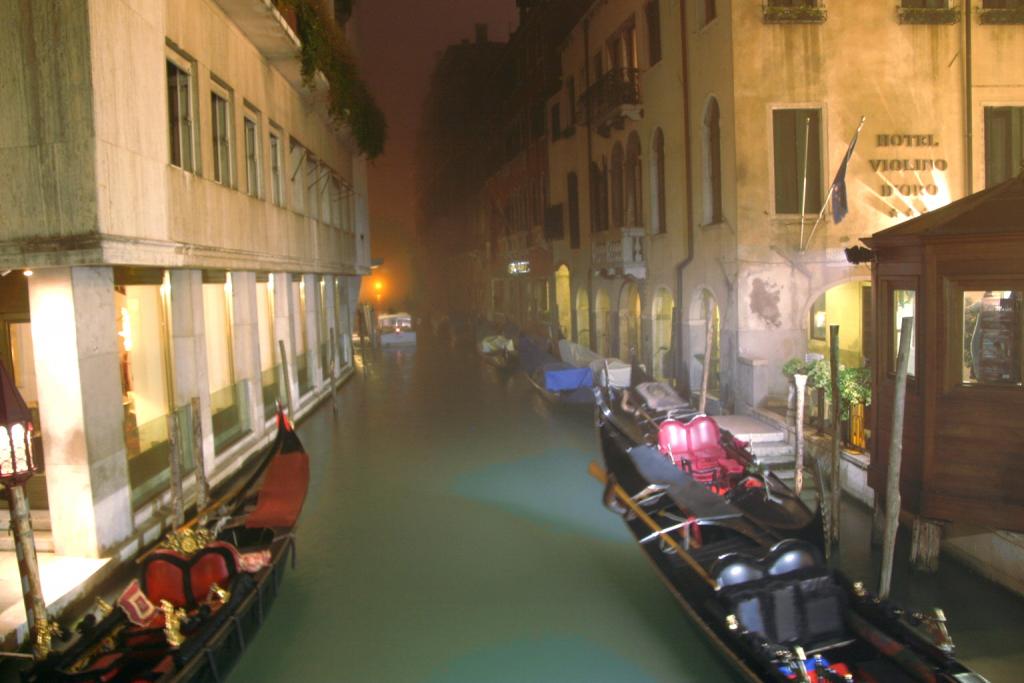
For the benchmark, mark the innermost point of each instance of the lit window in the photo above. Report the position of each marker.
(228, 399)
(992, 337)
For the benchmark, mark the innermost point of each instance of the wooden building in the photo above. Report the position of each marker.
(959, 271)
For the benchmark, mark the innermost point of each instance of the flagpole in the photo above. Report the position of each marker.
(828, 199)
(803, 194)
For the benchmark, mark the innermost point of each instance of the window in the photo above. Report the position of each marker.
(653, 32)
(573, 192)
(1002, 4)
(303, 373)
(922, 4)
(712, 164)
(276, 187)
(797, 152)
(252, 157)
(180, 113)
(556, 122)
(323, 193)
(660, 218)
(229, 400)
(1004, 143)
(634, 182)
(710, 12)
(312, 187)
(221, 126)
(903, 306)
(792, 3)
(297, 157)
(618, 215)
(992, 337)
(140, 303)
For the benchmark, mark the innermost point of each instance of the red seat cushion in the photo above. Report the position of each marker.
(185, 581)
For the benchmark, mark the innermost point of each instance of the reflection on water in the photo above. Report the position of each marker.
(452, 535)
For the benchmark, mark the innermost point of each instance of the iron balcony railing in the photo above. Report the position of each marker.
(615, 89)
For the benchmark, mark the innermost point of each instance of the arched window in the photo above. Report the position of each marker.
(598, 197)
(634, 182)
(618, 215)
(712, 164)
(658, 218)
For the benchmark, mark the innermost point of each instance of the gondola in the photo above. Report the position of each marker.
(743, 556)
(201, 595)
(498, 351)
(557, 382)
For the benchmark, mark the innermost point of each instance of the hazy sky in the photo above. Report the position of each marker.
(399, 41)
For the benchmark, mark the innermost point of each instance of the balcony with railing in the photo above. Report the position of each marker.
(620, 252)
(613, 98)
(794, 12)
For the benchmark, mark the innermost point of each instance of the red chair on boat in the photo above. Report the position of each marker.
(706, 442)
(676, 441)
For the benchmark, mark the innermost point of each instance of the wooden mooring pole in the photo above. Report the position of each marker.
(174, 463)
(837, 404)
(202, 484)
(706, 375)
(801, 390)
(892, 480)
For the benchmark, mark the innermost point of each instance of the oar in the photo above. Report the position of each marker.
(598, 472)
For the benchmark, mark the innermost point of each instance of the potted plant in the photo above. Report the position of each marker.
(855, 392)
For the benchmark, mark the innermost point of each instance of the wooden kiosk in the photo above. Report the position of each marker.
(959, 271)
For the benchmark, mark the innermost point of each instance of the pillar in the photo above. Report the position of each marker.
(74, 338)
(188, 349)
(246, 335)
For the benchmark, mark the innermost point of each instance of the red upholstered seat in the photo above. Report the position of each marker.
(676, 441)
(673, 441)
(185, 581)
(705, 437)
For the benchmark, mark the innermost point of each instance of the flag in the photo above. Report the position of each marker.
(839, 205)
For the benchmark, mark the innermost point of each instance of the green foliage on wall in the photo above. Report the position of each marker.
(324, 49)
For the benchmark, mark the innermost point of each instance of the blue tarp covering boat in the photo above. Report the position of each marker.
(565, 377)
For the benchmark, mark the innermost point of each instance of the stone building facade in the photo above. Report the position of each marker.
(176, 210)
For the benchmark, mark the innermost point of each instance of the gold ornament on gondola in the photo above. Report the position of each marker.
(219, 593)
(45, 631)
(187, 541)
(172, 623)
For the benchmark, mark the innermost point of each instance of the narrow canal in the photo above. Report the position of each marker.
(452, 535)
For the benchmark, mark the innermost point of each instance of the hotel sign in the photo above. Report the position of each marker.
(920, 160)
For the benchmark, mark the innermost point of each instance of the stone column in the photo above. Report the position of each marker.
(246, 335)
(188, 349)
(313, 328)
(284, 330)
(74, 338)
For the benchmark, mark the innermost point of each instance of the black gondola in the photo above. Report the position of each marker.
(742, 555)
(203, 594)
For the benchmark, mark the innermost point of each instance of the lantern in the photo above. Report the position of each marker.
(16, 461)
(16, 466)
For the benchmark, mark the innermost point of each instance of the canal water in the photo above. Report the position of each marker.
(452, 535)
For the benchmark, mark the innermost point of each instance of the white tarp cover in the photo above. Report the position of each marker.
(581, 356)
(496, 343)
(576, 355)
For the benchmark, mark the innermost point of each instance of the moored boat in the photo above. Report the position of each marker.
(396, 329)
(499, 351)
(558, 382)
(203, 594)
(742, 555)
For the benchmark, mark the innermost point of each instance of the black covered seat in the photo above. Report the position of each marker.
(789, 597)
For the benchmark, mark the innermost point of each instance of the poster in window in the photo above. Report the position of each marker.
(995, 341)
